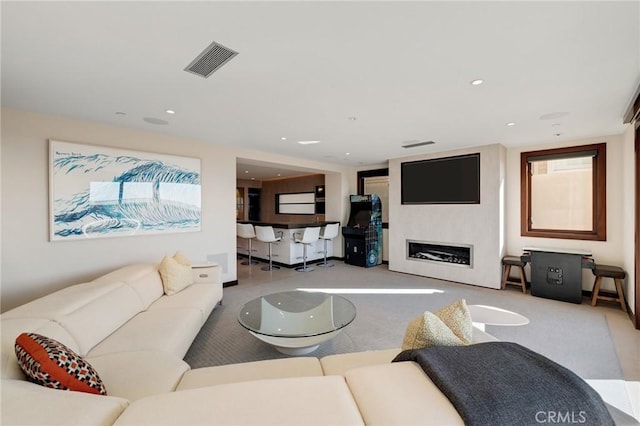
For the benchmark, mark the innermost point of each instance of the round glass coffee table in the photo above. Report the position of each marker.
(296, 322)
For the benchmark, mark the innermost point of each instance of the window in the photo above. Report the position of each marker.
(563, 193)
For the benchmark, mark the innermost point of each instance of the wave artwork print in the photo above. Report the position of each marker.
(106, 192)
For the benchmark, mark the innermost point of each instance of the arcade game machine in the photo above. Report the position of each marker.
(363, 233)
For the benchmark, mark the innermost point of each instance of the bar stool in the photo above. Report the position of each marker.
(308, 237)
(607, 271)
(267, 235)
(245, 230)
(328, 233)
(508, 262)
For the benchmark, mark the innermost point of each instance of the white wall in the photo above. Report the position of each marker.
(477, 224)
(610, 252)
(32, 266)
(338, 186)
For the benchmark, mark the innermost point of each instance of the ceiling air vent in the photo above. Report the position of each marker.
(416, 144)
(211, 59)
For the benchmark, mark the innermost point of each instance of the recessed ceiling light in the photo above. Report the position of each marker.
(511, 124)
(308, 142)
(253, 178)
(477, 82)
(246, 171)
(347, 153)
(283, 138)
(279, 174)
(170, 111)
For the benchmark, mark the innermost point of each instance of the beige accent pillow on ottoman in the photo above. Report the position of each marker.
(448, 326)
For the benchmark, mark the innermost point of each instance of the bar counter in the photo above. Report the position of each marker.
(288, 225)
(286, 252)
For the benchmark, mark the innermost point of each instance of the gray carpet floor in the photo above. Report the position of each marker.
(576, 336)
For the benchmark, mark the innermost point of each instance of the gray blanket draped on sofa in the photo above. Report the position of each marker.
(503, 383)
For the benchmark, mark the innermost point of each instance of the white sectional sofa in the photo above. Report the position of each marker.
(124, 325)
(135, 338)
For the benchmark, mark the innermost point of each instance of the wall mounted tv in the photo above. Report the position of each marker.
(449, 180)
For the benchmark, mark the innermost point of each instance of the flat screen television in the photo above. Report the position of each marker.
(449, 180)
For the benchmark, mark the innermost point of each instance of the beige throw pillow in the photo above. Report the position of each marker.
(458, 318)
(175, 276)
(181, 259)
(449, 326)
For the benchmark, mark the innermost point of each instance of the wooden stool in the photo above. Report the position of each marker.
(508, 262)
(607, 271)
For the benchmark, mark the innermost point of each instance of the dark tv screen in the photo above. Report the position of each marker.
(449, 180)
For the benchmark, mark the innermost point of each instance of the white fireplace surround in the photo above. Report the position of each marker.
(450, 254)
(479, 225)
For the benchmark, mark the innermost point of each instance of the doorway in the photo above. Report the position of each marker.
(377, 182)
(254, 204)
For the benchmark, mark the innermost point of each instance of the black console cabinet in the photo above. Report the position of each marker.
(557, 274)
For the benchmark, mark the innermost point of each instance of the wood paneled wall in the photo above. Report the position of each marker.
(285, 186)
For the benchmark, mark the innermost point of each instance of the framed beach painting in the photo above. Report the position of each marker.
(98, 192)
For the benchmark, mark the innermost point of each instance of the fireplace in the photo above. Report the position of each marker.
(442, 253)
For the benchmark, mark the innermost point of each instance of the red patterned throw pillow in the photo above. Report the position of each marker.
(49, 363)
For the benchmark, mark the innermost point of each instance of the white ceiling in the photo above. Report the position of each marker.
(402, 69)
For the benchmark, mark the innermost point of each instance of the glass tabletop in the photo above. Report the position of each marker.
(296, 314)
